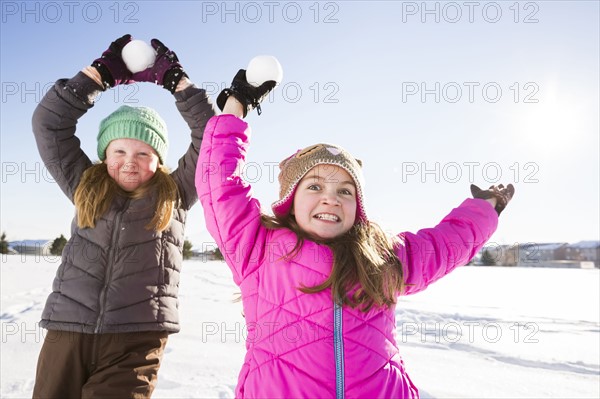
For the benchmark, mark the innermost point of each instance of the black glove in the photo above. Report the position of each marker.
(166, 71)
(502, 194)
(250, 96)
(110, 65)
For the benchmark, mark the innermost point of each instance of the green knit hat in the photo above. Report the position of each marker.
(140, 123)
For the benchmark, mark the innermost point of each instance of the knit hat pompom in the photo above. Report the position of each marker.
(295, 167)
(139, 123)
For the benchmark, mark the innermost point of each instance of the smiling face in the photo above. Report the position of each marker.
(325, 202)
(130, 162)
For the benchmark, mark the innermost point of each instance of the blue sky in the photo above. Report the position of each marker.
(432, 96)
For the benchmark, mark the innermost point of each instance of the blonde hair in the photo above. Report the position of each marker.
(364, 261)
(97, 189)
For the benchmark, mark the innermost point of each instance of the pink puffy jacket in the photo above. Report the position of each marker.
(301, 345)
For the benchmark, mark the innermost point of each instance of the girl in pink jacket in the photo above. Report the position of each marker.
(319, 280)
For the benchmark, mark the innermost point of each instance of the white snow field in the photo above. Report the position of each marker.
(481, 332)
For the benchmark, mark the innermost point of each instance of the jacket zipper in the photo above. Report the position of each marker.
(109, 267)
(338, 344)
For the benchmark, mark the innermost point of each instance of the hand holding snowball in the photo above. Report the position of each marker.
(165, 70)
(110, 65)
(250, 87)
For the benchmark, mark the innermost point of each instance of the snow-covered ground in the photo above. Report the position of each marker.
(481, 332)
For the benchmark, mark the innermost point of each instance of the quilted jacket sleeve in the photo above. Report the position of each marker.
(232, 215)
(432, 253)
(54, 121)
(196, 109)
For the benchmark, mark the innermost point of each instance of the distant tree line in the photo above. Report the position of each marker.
(3, 244)
(487, 259)
(187, 249)
(59, 244)
(217, 254)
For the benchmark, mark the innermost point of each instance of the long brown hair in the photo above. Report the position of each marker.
(97, 189)
(364, 262)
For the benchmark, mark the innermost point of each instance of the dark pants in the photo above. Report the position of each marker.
(74, 365)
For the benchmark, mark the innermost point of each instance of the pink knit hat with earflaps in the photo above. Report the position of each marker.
(293, 169)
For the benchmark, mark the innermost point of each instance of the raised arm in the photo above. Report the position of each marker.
(196, 109)
(432, 253)
(232, 215)
(54, 123)
(192, 103)
(55, 118)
